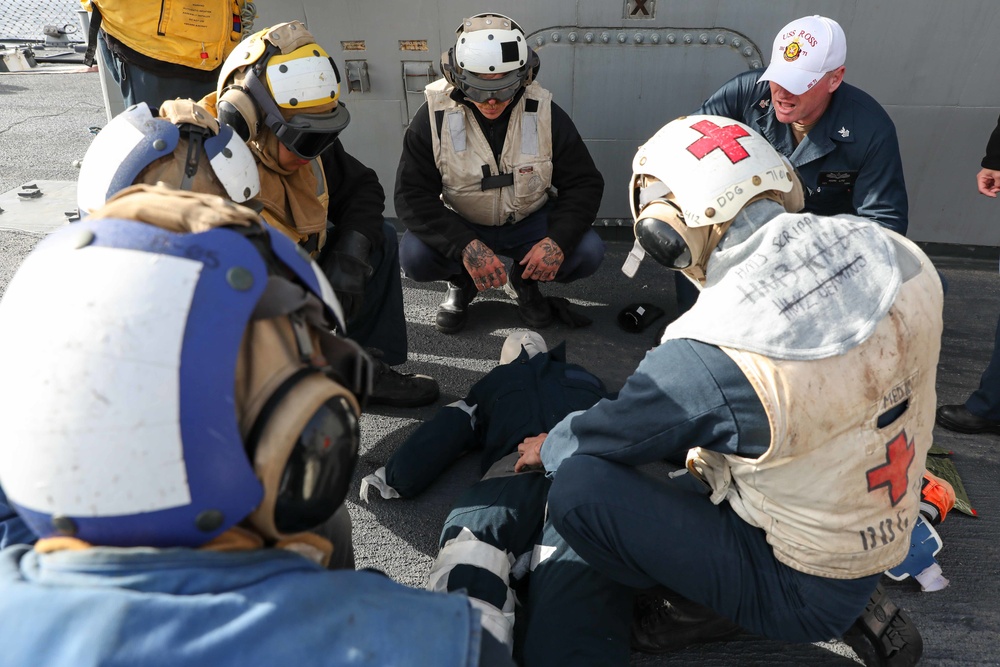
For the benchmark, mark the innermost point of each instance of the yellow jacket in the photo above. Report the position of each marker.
(193, 33)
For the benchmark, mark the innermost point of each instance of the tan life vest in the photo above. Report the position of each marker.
(473, 184)
(837, 495)
(193, 33)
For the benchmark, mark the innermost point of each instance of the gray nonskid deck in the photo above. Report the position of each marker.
(44, 128)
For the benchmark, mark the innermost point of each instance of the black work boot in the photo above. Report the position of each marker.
(455, 307)
(533, 308)
(663, 621)
(400, 390)
(958, 418)
(884, 635)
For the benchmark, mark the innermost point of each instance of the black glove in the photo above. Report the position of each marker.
(572, 319)
(346, 267)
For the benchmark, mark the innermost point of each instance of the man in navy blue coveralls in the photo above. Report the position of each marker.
(798, 311)
(839, 139)
(981, 412)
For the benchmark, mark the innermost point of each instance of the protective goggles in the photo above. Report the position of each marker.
(482, 90)
(309, 135)
(306, 135)
(652, 210)
(660, 240)
(319, 469)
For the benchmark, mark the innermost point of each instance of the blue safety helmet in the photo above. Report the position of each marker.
(210, 156)
(160, 387)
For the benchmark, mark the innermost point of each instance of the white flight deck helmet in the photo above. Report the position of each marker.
(691, 179)
(181, 146)
(489, 44)
(280, 78)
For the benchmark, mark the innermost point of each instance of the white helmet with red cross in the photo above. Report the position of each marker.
(712, 165)
(691, 179)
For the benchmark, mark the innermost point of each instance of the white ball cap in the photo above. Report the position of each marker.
(805, 50)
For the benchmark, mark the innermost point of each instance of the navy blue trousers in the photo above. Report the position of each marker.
(381, 322)
(985, 401)
(574, 615)
(422, 263)
(641, 530)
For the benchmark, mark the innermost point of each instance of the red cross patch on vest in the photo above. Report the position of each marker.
(894, 473)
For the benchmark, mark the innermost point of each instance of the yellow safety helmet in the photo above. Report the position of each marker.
(282, 79)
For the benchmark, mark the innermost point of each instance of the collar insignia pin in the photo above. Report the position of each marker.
(844, 132)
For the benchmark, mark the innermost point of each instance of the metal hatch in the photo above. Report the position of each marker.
(620, 85)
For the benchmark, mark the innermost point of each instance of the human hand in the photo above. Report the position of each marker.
(543, 261)
(531, 452)
(989, 182)
(483, 265)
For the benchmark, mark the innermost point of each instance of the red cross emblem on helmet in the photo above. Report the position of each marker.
(894, 473)
(722, 138)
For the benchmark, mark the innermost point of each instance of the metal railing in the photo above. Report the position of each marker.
(26, 20)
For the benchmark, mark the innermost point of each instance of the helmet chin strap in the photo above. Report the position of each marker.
(715, 234)
(710, 237)
(795, 199)
(196, 148)
(246, 538)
